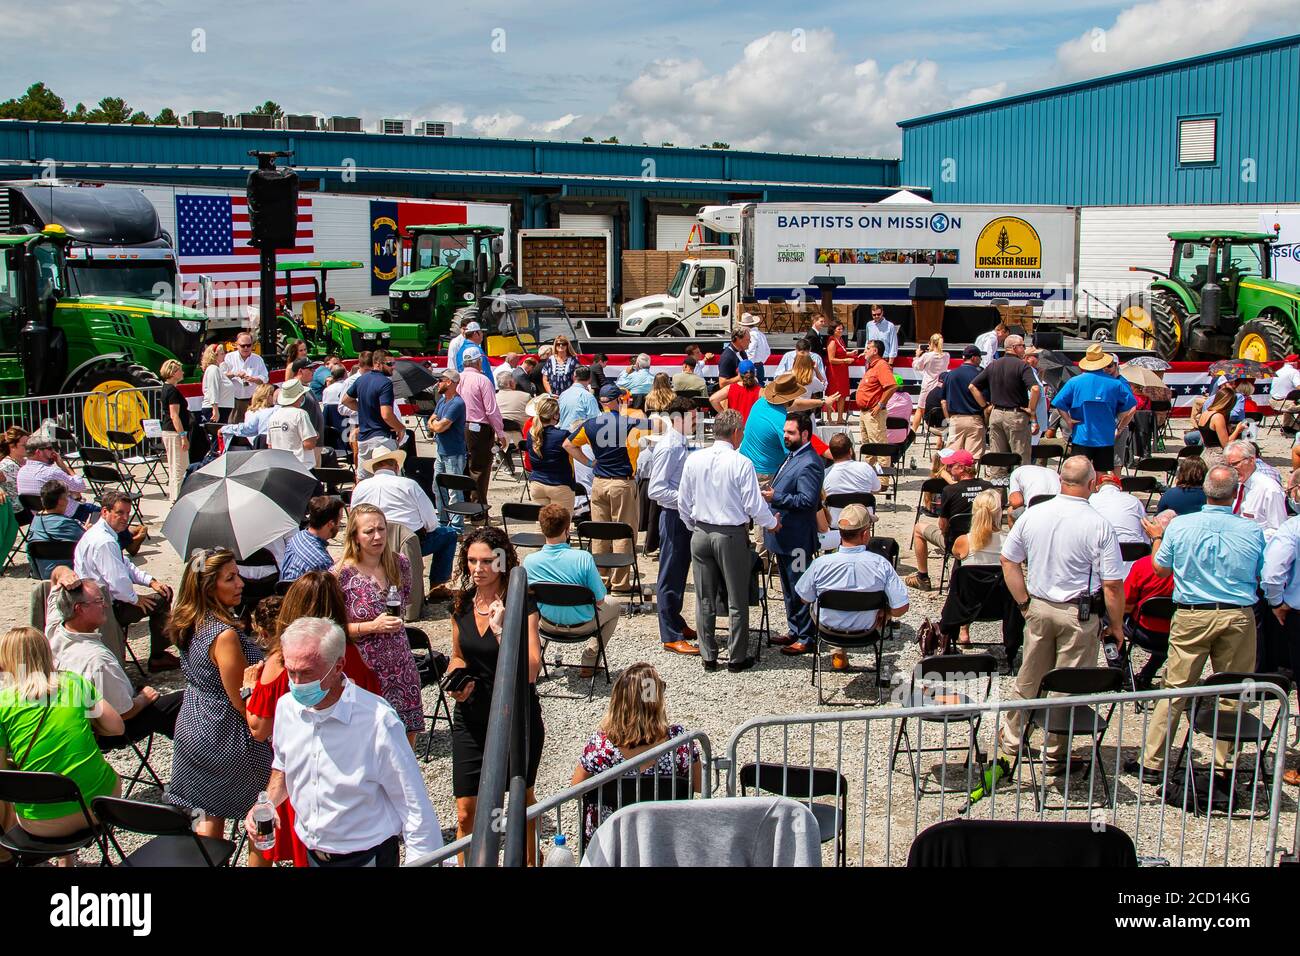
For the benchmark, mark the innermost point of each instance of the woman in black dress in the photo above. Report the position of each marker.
(486, 559)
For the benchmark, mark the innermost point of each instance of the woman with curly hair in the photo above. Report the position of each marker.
(486, 560)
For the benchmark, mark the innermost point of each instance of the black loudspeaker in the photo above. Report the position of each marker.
(1050, 340)
(928, 289)
(273, 208)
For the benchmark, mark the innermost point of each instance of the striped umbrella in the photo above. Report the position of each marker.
(1153, 362)
(242, 500)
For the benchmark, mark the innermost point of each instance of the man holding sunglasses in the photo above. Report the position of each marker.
(246, 371)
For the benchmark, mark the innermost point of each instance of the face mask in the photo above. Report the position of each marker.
(311, 693)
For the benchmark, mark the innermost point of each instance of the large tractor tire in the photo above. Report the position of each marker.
(1265, 339)
(462, 317)
(116, 401)
(1148, 320)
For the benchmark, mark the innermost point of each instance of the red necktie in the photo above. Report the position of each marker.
(1241, 492)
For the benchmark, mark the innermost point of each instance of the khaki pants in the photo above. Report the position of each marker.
(608, 613)
(1054, 637)
(1009, 431)
(551, 495)
(871, 427)
(178, 459)
(1227, 639)
(967, 431)
(614, 499)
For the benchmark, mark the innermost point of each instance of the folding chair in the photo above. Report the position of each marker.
(424, 405)
(592, 531)
(142, 768)
(887, 548)
(842, 499)
(1021, 843)
(887, 472)
(174, 841)
(512, 451)
(1290, 405)
(1237, 726)
(68, 445)
(430, 666)
(519, 511)
(469, 507)
(1153, 642)
(934, 689)
(1038, 500)
(857, 640)
(780, 318)
(1162, 432)
(1162, 466)
(22, 786)
(1006, 460)
(1140, 484)
(152, 461)
(104, 478)
(1133, 550)
(1043, 454)
(1190, 451)
(932, 487)
(257, 588)
(570, 595)
(805, 784)
(958, 525)
(24, 519)
(338, 482)
(60, 552)
(933, 423)
(1071, 720)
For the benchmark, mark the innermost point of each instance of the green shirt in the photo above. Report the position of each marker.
(66, 742)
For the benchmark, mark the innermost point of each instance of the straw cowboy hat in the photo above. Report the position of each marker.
(783, 390)
(381, 453)
(1095, 358)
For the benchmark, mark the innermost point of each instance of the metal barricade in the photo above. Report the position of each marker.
(86, 416)
(565, 812)
(888, 792)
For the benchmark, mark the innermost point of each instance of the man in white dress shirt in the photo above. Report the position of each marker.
(787, 360)
(246, 371)
(716, 499)
(880, 329)
(759, 349)
(845, 475)
(1259, 498)
(341, 756)
(1125, 512)
(990, 343)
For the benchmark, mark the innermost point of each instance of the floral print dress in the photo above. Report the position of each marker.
(387, 654)
(601, 753)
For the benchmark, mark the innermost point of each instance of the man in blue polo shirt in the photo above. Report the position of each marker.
(557, 563)
(1096, 405)
(966, 426)
(371, 397)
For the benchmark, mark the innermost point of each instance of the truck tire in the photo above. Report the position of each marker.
(462, 317)
(1101, 332)
(666, 329)
(115, 402)
(1149, 320)
(1264, 339)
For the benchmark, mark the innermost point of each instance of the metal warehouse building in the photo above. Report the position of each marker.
(1211, 141)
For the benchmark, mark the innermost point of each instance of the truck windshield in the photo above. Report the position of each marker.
(146, 279)
(675, 287)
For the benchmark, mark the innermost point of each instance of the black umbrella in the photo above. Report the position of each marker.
(1056, 368)
(243, 501)
(411, 378)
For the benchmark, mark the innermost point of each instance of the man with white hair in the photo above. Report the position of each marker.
(1013, 394)
(506, 370)
(341, 755)
(638, 379)
(483, 423)
(1259, 497)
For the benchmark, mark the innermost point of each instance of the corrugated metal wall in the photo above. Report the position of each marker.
(1115, 141)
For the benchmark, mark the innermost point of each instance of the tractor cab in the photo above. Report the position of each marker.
(522, 322)
(320, 322)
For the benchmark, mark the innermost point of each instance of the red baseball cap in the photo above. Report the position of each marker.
(957, 456)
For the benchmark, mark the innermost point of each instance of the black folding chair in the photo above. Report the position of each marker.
(527, 512)
(1021, 843)
(1290, 404)
(1161, 466)
(23, 786)
(174, 841)
(68, 445)
(338, 482)
(102, 478)
(259, 587)
(1007, 460)
(142, 768)
(1072, 720)
(887, 472)
(805, 784)
(932, 487)
(1190, 451)
(842, 499)
(1038, 500)
(852, 640)
(958, 525)
(513, 454)
(932, 685)
(887, 548)
(430, 666)
(151, 460)
(470, 507)
(1153, 642)
(611, 531)
(24, 519)
(60, 552)
(1043, 454)
(1140, 484)
(1162, 431)
(575, 596)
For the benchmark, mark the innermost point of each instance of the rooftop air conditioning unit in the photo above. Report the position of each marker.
(431, 128)
(203, 118)
(253, 121)
(343, 124)
(395, 127)
(297, 121)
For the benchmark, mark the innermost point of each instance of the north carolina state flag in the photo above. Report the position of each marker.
(389, 247)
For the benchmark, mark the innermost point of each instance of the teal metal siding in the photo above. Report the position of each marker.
(1114, 141)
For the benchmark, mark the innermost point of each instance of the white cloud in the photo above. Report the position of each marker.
(1164, 30)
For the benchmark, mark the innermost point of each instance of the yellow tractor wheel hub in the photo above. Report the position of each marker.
(115, 406)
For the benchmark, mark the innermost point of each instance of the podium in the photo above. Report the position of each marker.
(827, 285)
(928, 294)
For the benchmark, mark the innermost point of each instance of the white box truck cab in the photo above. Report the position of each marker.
(1017, 254)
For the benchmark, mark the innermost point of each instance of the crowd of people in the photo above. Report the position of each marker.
(312, 696)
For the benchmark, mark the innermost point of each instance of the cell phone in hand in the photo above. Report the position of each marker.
(455, 681)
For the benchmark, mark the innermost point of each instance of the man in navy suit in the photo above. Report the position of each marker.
(796, 495)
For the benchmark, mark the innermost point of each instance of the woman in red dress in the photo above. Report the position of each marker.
(315, 594)
(838, 360)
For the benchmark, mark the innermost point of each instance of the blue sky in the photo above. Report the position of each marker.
(807, 77)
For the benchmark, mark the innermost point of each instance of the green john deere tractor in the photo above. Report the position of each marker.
(323, 325)
(453, 267)
(55, 341)
(1219, 299)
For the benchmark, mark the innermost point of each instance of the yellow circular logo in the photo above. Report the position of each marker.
(1008, 248)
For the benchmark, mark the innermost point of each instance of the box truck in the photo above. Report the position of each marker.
(988, 254)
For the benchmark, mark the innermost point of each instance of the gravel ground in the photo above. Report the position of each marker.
(882, 815)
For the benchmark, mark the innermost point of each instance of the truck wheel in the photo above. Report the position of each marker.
(1150, 321)
(1265, 339)
(666, 329)
(116, 401)
(1100, 333)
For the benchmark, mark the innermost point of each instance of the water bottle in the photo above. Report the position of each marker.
(560, 854)
(1111, 648)
(394, 601)
(264, 822)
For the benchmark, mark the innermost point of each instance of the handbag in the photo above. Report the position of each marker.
(931, 639)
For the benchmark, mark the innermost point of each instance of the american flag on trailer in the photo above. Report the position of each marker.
(212, 239)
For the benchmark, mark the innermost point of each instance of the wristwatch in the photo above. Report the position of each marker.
(245, 693)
